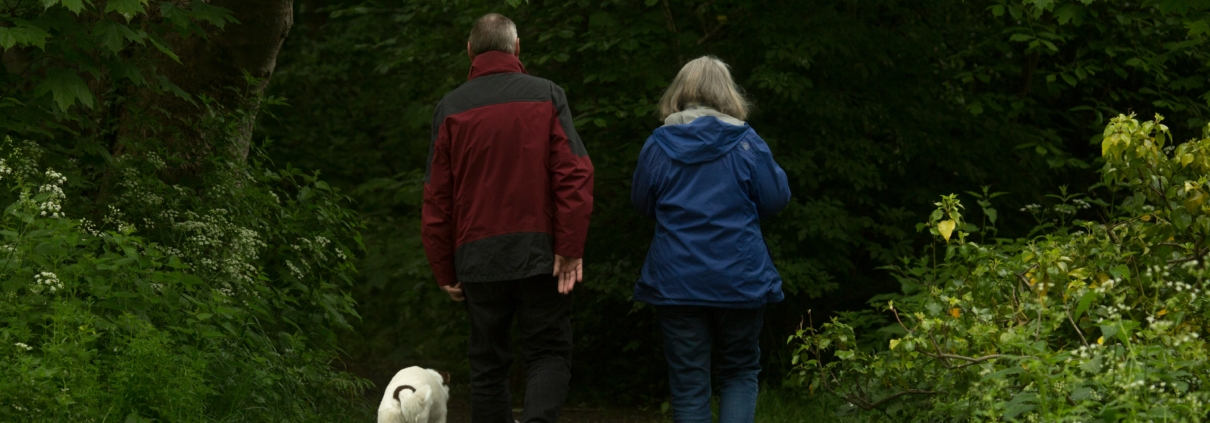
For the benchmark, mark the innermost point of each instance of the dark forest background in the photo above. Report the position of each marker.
(873, 108)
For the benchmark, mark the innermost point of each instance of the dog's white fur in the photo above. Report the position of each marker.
(426, 404)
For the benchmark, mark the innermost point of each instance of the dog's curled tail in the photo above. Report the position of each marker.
(413, 401)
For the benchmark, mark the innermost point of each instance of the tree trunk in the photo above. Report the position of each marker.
(215, 67)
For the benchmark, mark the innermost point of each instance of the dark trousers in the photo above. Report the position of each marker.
(544, 317)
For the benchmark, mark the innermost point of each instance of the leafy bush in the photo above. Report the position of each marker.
(216, 301)
(1093, 321)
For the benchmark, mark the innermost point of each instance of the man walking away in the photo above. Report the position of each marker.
(507, 199)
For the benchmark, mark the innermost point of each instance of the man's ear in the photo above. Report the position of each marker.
(517, 48)
(469, 53)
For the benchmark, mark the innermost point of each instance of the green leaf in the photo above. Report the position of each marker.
(8, 37)
(164, 49)
(67, 87)
(127, 8)
(1081, 394)
(75, 6)
(23, 34)
(1085, 302)
(1069, 13)
(1127, 326)
(1092, 366)
(213, 15)
(1020, 37)
(109, 36)
(1021, 403)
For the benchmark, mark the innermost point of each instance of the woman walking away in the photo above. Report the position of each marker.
(708, 179)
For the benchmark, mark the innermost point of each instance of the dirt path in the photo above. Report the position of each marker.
(460, 413)
(459, 407)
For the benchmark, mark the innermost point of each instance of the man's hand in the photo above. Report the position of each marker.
(455, 291)
(569, 271)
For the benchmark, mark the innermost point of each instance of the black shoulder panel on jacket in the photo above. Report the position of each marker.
(495, 89)
(486, 91)
(573, 137)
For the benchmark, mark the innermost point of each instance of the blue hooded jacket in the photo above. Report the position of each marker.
(708, 183)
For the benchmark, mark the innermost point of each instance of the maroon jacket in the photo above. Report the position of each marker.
(508, 182)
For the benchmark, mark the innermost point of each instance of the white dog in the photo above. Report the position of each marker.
(415, 395)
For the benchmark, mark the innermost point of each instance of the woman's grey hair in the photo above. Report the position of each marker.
(704, 81)
(491, 32)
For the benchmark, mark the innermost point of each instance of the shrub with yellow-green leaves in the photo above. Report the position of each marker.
(1089, 321)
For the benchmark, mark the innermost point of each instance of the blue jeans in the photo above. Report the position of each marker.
(690, 333)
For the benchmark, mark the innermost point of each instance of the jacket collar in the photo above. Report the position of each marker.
(492, 62)
(694, 110)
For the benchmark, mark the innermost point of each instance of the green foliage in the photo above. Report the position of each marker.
(175, 303)
(140, 282)
(65, 53)
(1089, 322)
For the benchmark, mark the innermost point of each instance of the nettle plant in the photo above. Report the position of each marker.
(1092, 321)
(216, 301)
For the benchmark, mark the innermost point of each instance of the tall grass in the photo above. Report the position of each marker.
(788, 405)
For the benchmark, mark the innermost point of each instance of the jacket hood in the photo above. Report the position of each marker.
(698, 136)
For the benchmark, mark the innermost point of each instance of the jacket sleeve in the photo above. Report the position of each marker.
(437, 224)
(643, 189)
(571, 179)
(770, 187)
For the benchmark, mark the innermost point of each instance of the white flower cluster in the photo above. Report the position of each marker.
(22, 345)
(1032, 208)
(25, 159)
(317, 246)
(115, 217)
(1113, 312)
(156, 161)
(1186, 338)
(1107, 285)
(294, 270)
(53, 206)
(134, 192)
(5, 170)
(1065, 209)
(215, 245)
(49, 281)
(1080, 204)
(1085, 352)
(1158, 325)
(89, 227)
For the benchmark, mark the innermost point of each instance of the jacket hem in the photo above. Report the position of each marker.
(706, 303)
(501, 277)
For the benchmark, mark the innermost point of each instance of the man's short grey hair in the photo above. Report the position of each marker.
(493, 32)
(705, 81)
